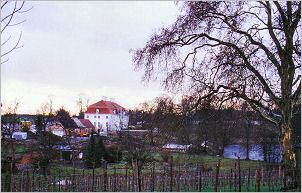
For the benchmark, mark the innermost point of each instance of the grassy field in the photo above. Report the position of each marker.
(178, 159)
(19, 148)
(209, 161)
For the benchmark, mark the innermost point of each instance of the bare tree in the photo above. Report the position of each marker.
(165, 119)
(50, 104)
(235, 50)
(82, 103)
(245, 122)
(204, 115)
(10, 12)
(45, 111)
(9, 124)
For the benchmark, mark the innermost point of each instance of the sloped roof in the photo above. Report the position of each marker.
(78, 122)
(86, 123)
(105, 107)
(176, 146)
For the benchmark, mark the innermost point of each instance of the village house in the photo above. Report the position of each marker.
(55, 127)
(107, 117)
(84, 127)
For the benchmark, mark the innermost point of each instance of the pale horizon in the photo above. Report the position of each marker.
(81, 48)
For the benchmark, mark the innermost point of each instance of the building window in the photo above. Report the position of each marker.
(87, 116)
(99, 124)
(94, 124)
(107, 125)
(97, 110)
(98, 116)
(94, 116)
(106, 117)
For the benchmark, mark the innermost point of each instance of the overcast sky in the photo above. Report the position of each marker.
(73, 48)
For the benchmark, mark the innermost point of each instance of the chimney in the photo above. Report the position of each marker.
(104, 98)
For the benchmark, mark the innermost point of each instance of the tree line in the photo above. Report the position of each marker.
(209, 126)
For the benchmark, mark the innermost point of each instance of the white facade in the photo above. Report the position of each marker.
(58, 133)
(108, 122)
(19, 135)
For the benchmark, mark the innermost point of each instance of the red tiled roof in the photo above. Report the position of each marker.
(29, 157)
(105, 107)
(86, 123)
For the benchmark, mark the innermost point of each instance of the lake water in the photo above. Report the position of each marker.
(233, 151)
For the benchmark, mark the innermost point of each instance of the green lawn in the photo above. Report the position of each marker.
(19, 148)
(178, 159)
(208, 161)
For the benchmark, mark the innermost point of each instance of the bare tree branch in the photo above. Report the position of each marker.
(16, 46)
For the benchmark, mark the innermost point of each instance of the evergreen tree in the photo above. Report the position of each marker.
(39, 123)
(96, 152)
(90, 157)
(81, 115)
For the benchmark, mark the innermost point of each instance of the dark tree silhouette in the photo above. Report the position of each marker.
(96, 152)
(234, 50)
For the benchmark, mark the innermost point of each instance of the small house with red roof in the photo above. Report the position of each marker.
(84, 127)
(107, 116)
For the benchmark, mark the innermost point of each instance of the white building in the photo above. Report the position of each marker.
(19, 135)
(107, 116)
(176, 147)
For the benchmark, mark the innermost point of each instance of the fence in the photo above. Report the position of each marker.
(170, 177)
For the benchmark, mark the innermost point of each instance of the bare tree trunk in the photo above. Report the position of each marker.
(247, 149)
(289, 155)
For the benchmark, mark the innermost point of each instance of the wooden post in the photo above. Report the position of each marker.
(92, 188)
(138, 175)
(13, 183)
(231, 179)
(248, 180)
(11, 173)
(127, 190)
(105, 176)
(83, 177)
(284, 176)
(262, 178)
(164, 179)
(73, 177)
(274, 179)
(235, 176)
(133, 178)
(217, 175)
(20, 183)
(224, 182)
(171, 173)
(153, 177)
(178, 178)
(269, 179)
(27, 181)
(114, 182)
(239, 174)
(33, 182)
(258, 180)
(199, 179)
(53, 183)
